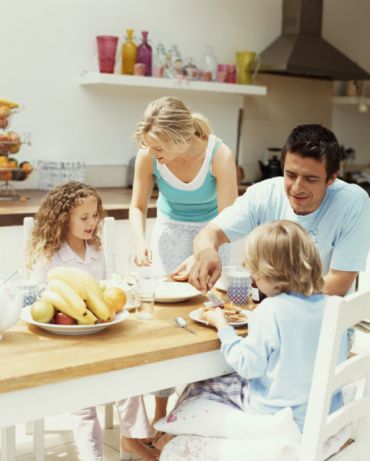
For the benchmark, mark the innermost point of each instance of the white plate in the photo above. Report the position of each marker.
(220, 285)
(172, 292)
(194, 315)
(72, 329)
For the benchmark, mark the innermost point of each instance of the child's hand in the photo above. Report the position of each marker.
(214, 316)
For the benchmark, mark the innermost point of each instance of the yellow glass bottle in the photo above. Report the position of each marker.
(128, 54)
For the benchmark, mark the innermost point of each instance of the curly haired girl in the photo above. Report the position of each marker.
(66, 233)
(70, 215)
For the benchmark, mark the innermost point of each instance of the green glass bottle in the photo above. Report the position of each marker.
(128, 54)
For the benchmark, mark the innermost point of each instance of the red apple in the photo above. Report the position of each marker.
(64, 319)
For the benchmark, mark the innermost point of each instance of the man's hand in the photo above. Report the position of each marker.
(206, 270)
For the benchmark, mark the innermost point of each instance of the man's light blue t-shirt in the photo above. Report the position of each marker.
(278, 355)
(340, 227)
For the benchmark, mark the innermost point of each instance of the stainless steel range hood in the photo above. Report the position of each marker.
(301, 51)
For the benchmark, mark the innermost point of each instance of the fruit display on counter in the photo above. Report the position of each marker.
(6, 110)
(10, 144)
(74, 297)
(11, 170)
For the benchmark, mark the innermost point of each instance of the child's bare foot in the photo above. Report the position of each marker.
(138, 447)
(161, 439)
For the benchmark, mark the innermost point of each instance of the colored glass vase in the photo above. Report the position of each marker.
(144, 54)
(128, 54)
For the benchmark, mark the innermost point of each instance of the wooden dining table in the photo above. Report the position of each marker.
(44, 374)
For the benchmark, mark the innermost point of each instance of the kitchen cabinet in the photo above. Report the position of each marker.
(100, 79)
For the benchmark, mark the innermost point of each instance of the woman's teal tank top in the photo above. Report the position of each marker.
(196, 205)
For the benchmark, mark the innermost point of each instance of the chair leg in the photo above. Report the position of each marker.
(38, 440)
(29, 428)
(108, 416)
(8, 447)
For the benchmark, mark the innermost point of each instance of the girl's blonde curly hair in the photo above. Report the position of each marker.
(51, 220)
(167, 120)
(284, 254)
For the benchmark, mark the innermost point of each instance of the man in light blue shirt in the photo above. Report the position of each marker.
(336, 214)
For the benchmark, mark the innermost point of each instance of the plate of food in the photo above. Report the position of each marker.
(67, 329)
(172, 292)
(237, 318)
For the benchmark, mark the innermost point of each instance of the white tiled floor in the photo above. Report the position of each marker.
(59, 444)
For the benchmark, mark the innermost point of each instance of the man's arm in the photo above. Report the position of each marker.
(207, 265)
(338, 282)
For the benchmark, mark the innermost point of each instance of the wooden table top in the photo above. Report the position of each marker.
(30, 356)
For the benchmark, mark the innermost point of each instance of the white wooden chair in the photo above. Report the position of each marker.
(328, 377)
(354, 416)
(8, 445)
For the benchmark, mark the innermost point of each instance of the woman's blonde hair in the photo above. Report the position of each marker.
(51, 220)
(168, 121)
(285, 255)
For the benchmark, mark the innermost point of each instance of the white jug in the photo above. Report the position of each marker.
(10, 309)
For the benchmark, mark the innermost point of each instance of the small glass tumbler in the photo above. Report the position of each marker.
(107, 46)
(145, 288)
(30, 289)
(238, 286)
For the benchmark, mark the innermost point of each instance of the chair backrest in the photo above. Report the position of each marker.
(108, 239)
(328, 377)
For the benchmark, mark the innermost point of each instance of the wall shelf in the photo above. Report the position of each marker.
(97, 78)
(350, 100)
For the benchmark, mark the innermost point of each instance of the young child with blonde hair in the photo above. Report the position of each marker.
(274, 363)
(67, 233)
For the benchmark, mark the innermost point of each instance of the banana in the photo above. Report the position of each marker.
(111, 306)
(94, 294)
(88, 319)
(73, 299)
(87, 280)
(11, 104)
(65, 275)
(96, 304)
(60, 304)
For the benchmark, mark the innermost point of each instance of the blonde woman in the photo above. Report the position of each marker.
(196, 176)
(274, 363)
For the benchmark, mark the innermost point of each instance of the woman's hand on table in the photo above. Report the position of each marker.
(142, 255)
(214, 316)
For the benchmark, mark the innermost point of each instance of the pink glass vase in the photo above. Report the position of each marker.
(144, 54)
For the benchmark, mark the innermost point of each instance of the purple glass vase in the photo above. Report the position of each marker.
(144, 54)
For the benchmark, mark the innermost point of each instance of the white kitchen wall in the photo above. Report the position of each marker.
(346, 26)
(45, 45)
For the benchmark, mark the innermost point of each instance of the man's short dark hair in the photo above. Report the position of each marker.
(314, 141)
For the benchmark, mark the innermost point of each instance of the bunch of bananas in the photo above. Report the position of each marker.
(76, 293)
(5, 110)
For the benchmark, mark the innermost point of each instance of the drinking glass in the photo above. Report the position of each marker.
(238, 286)
(107, 45)
(146, 283)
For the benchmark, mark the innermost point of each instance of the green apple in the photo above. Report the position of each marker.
(42, 311)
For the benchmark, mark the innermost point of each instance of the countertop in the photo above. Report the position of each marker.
(116, 201)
